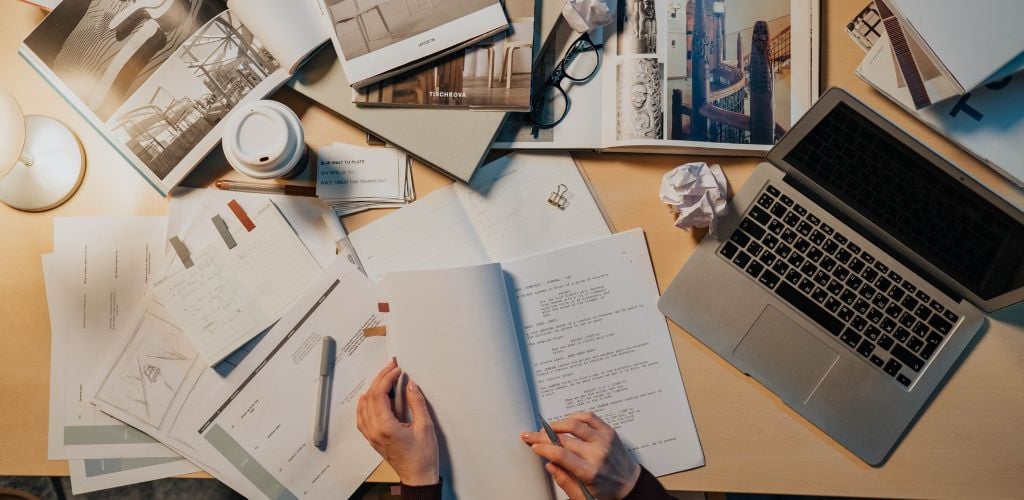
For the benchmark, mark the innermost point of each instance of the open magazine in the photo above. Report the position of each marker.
(157, 77)
(686, 77)
(492, 75)
(377, 39)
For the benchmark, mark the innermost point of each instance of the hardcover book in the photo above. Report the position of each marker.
(695, 77)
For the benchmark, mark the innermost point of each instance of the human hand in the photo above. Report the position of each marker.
(592, 452)
(410, 448)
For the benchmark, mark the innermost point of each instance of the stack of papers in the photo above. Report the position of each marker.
(985, 121)
(352, 179)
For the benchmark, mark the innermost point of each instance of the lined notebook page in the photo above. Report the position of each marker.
(230, 295)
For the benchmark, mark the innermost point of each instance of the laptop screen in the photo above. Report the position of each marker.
(914, 201)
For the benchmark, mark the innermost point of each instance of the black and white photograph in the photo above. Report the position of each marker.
(363, 26)
(191, 92)
(104, 50)
(638, 27)
(639, 103)
(738, 89)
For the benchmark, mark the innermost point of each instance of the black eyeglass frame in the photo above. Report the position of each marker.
(582, 44)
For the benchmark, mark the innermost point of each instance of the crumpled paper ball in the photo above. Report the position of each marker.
(697, 193)
(585, 15)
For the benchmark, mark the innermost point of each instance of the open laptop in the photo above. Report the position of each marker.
(854, 269)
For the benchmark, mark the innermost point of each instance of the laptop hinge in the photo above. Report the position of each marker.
(873, 238)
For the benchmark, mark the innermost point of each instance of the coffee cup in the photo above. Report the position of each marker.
(264, 140)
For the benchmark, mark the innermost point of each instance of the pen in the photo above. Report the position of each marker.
(267, 188)
(323, 410)
(554, 440)
(341, 241)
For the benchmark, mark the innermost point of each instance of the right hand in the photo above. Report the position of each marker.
(410, 448)
(591, 452)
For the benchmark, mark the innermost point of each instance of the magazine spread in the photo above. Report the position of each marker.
(491, 75)
(697, 76)
(377, 39)
(157, 77)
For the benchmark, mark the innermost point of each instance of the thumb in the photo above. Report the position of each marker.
(564, 481)
(417, 405)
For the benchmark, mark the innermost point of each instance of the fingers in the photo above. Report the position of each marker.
(576, 428)
(564, 480)
(377, 396)
(535, 437)
(418, 406)
(592, 420)
(562, 457)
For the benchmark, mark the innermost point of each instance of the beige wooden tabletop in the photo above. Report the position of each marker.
(968, 443)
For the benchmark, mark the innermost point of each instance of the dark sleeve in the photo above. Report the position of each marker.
(647, 488)
(428, 492)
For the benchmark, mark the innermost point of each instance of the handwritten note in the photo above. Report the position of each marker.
(229, 296)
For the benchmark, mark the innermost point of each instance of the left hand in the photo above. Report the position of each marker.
(410, 448)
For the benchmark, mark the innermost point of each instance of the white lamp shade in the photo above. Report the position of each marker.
(12, 132)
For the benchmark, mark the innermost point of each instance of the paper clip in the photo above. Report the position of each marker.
(557, 197)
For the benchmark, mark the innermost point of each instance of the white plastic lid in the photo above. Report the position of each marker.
(263, 139)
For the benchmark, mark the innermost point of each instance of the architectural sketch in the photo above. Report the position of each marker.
(639, 104)
(151, 369)
(194, 89)
(637, 27)
(106, 49)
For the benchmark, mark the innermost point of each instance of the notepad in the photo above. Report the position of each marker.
(229, 295)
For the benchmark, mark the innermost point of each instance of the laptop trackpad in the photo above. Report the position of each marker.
(784, 356)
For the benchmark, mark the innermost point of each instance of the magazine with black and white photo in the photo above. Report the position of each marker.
(157, 77)
(491, 75)
(378, 39)
(698, 76)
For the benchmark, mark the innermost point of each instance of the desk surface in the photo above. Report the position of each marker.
(967, 443)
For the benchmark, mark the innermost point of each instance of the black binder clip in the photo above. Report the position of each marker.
(557, 197)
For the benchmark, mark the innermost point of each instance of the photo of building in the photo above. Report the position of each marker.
(734, 83)
(195, 88)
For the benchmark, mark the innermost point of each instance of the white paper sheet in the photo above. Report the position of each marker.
(596, 342)
(458, 342)
(230, 295)
(98, 272)
(96, 474)
(584, 321)
(264, 428)
(502, 214)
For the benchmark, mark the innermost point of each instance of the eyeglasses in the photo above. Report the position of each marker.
(550, 104)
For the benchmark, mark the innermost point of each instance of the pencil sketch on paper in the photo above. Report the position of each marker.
(150, 370)
(639, 109)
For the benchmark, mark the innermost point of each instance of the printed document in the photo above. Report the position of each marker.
(571, 330)
(98, 273)
(264, 426)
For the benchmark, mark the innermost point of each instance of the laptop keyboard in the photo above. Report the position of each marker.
(868, 307)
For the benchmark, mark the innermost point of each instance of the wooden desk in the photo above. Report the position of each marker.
(968, 443)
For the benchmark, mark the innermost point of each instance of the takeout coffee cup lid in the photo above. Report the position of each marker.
(263, 139)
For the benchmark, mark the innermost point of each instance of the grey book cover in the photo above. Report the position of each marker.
(454, 142)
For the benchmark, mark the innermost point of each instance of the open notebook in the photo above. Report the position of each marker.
(157, 78)
(570, 330)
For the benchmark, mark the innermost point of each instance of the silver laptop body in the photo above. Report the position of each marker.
(804, 336)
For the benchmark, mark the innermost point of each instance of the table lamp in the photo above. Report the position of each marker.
(41, 160)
